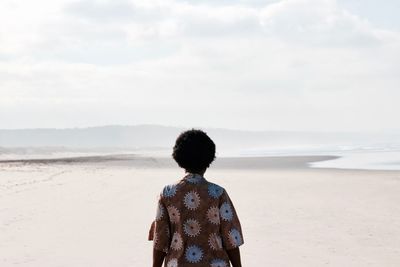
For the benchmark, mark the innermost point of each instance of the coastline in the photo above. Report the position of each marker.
(262, 162)
(282, 162)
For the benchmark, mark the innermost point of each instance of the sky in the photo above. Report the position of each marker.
(308, 65)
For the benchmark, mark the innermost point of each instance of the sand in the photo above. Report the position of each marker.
(97, 212)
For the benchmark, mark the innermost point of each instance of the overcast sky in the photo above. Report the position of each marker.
(321, 65)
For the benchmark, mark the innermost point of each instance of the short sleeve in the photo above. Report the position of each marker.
(160, 228)
(231, 231)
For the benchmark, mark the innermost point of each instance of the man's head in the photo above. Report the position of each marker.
(194, 151)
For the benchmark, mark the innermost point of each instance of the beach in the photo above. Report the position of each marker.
(96, 211)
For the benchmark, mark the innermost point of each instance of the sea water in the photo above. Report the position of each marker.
(350, 157)
(366, 160)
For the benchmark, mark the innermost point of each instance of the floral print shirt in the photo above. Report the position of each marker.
(196, 223)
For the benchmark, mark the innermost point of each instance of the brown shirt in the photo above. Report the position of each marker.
(195, 224)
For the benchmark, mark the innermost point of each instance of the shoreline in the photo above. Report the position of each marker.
(134, 160)
(295, 162)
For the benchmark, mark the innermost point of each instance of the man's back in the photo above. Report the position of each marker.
(196, 223)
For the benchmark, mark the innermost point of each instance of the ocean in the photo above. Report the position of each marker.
(351, 157)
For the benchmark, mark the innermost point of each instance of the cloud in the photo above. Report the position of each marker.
(280, 63)
(116, 11)
(102, 11)
(253, 3)
(317, 22)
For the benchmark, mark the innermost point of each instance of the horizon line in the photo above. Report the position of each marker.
(199, 127)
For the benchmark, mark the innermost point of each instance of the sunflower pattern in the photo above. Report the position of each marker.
(194, 178)
(176, 242)
(158, 243)
(169, 191)
(215, 191)
(174, 214)
(195, 222)
(160, 212)
(235, 238)
(226, 212)
(218, 263)
(192, 228)
(192, 200)
(213, 215)
(215, 241)
(193, 254)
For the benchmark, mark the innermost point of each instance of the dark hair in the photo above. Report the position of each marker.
(194, 150)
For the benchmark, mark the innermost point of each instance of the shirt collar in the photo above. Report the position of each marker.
(194, 178)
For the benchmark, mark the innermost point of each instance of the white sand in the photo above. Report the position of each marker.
(54, 215)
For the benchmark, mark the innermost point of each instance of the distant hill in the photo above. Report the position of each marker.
(102, 136)
(163, 137)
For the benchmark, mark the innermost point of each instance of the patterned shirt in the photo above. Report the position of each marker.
(195, 224)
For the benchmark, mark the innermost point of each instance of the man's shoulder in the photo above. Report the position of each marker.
(212, 184)
(170, 190)
(215, 190)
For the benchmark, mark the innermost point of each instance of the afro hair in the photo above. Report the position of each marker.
(194, 150)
